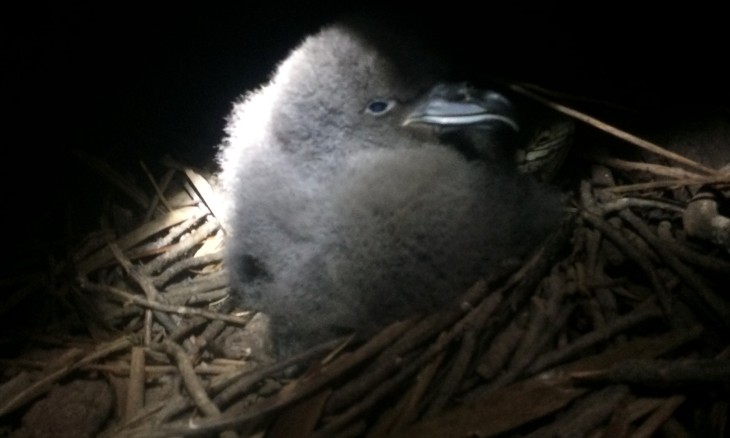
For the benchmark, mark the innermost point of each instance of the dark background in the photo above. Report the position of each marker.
(131, 83)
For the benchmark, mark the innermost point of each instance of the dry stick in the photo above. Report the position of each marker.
(655, 169)
(104, 256)
(585, 414)
(406, 410)
(209, 297)
(185, 264)
(160, 190)
(149, 290)
(545, 310)
(536, 270)
(672, 428)
(632, 411)
(612, 233)
(502, 347)
(542, 262)
(475, 318)
(525, 350)
(532, 343)
(135, 386)
(592, 243)
(46, 383)
(178, 250)
(126, 298)
(186, 329)
(624, 203)
(637, 141)
(663, 373)
(713, 303)
(388, 361)
(682, 251)
(619, 422)
(539, 396)
(233, 390)
(175, 232)
(160, 196)
(653, 185)
(637, 316)
(391, 359)
(212, 331)
(458, 369)
(123, 370)
(205, 192)
(659, 417)
(296, 391)
(197, 285)
(191, 381)
(228, 388)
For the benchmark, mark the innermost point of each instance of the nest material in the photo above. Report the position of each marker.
(616, 326)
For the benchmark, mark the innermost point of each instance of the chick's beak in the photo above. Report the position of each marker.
(456, 105)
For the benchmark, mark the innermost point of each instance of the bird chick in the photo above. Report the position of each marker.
(344, 216)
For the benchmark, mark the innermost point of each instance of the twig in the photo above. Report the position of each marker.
(391, 359)
(149, 290)
(205, 192)
(661, 415)
(181, 292)
(453, 378)
(592, 214)
(502, 347)
(616, 132)
(687, 254)
(474, 318)
(178, 250)
(227, 388)
(45, 383)
(185, 264)
(193, 385)
(135, 385)
(713, 305)
(655, 169)
(104, 255)
(663, 373)
(538, 397)
(296, 391)
(624, 203)
(125, 297)
(585, 414)
(159, 190)
(406, 410)
(667, 184)
(635, 317)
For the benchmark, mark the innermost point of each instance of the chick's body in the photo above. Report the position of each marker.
(344, 220)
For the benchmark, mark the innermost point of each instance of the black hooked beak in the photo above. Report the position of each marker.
(480, 124)
(456, 105)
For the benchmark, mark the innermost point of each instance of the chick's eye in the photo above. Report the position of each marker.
(378, 107)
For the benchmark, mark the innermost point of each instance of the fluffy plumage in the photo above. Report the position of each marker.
(344, 220)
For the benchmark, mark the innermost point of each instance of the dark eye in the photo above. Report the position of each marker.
(378, 107)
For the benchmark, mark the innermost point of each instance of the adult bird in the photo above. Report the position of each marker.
(351, 205)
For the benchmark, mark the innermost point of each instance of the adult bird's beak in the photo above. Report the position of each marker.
(456, 105)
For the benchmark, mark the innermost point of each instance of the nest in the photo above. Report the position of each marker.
(616, 326)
